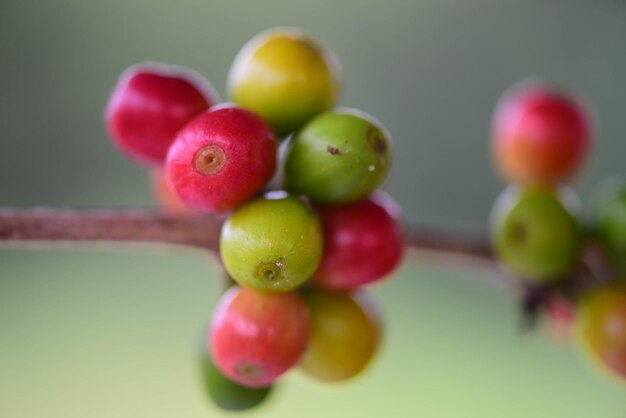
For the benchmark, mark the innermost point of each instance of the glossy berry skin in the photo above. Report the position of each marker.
(167, 198)
(540, 135)
(610, 223)
(224, 392)
(363, 242)
(221, 159)
(535, 233)
(338, 157)
(346, 330)
(602, 327)
(150, 104)
(286, 76)
(256, 337)
(272, 244)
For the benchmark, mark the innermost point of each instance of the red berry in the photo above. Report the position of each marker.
(362, 242)
(539, 134)
(221, 158)
(150, 104)
(256, 337)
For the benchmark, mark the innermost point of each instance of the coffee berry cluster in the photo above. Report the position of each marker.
(540, 138)
(297, 183)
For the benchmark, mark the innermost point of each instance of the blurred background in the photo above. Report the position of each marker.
(112, 333)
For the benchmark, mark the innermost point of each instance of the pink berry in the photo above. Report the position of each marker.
(561, 317)
(221, 158)
(539, 134)
(256, 337)
(363, 242)
(150, 104)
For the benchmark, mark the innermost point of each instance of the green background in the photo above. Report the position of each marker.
(112, 333)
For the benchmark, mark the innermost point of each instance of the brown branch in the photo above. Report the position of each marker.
(35, 226)
(49, 227)
(462, 241)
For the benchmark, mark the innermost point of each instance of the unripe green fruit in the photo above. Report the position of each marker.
(610, 222)
(535, 234)
(225, 393)
(286, 76)
(346, 329)
(338, 157)
(272, 244)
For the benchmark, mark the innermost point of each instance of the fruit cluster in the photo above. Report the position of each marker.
(540, 137)
(305, 212)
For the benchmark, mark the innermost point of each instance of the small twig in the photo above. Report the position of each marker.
(37, 226)
(49, 227)
(467, 242)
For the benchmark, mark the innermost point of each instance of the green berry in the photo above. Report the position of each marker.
(286, 76)
(272, 244)
(225, 393)
(346, 330)
(338, 157)
(535, 233)
(610, 222)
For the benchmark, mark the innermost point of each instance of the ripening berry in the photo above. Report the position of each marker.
(535, 233)
(346, 331)
(221, 158)
(286, 76)
(163, 194)
(272, 244)
(150, 104)
(540, 134)
(602, 327)
(224, 392)
(362, 242)
(338, 157)
(256, 337)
